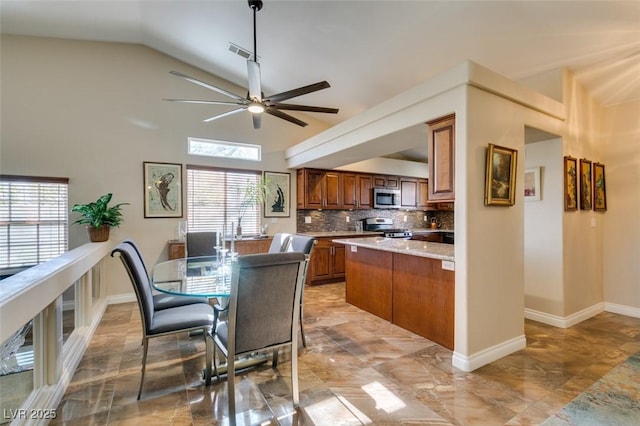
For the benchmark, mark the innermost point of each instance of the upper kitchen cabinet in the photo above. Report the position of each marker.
(386, 181)
(414, 194)
(319, 189)
(356, 191)
(441, 145)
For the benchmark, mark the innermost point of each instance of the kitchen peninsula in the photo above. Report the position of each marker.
(409, 283)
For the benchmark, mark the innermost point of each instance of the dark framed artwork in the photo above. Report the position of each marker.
(500, 176)
(162, 190)
(599, 188)
(277, 201)
(586, 199)
(570, 183)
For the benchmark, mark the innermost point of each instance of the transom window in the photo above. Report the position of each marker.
(215, 148)
(216, 197)
(34, 221)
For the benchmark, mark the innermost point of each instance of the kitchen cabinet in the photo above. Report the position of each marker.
(441, 147)
(369, 281)
(248, 246)
(422, 194)
(327, 262)
(386, 181)
(356, 191)
(414, 194)
(319, 189)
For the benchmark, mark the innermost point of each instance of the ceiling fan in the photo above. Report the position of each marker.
(255, 102)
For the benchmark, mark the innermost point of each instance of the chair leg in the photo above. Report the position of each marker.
(145, 348)
(208, 341)
(304, 339)
(231, 387)
(294, 376)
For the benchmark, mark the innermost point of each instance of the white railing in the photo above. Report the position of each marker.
(36, 294)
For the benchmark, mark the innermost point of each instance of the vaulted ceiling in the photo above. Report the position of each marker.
(368, 51)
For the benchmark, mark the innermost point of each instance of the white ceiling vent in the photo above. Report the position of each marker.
(240, 51)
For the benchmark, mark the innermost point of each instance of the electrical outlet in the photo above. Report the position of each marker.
(307, 219)
(348, 219)
(424, 218)
(404, 218)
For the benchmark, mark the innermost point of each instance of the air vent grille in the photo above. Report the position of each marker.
(240, 51)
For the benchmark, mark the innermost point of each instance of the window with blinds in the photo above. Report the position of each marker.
(216, 197)
(34, 220)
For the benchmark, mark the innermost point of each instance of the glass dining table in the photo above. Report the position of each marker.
(201, 276)
(193, 276)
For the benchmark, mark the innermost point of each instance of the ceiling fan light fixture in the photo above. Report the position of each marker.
(255, 107)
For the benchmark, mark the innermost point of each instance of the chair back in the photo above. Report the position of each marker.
(265, 301)
(301, 243)
(280, 242)
(201, 243)
(137, 249)
(140, 281)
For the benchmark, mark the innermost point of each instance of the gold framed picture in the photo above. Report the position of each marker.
(570, 183)
(586, 199)
(500, 176)
(599, 188)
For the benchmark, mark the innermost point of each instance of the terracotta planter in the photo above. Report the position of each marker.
(99, 234)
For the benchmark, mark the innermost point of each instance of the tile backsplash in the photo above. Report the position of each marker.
(336, 220)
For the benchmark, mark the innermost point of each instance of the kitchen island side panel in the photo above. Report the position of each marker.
(369, 280)
(423, 298)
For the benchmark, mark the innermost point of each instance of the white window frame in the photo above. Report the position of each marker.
(224, 149)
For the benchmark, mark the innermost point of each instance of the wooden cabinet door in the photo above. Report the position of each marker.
(320, 263)
(369, 282)
(264, 244)
(386, 181)
(332, 186)
(176, 249)
(408, 193)
(349, 191)
(338, 261)
(423, 194)
(364, 186)
(313, 189)
(441, 146)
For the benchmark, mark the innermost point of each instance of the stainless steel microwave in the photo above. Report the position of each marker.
(386, 198)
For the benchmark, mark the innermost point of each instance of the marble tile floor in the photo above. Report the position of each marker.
(357, 369)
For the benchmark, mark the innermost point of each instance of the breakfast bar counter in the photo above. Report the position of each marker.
(409, 283)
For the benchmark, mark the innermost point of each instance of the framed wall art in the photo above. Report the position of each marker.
(500, 176)
(278, 198)
(532, 184)
(586, 199)
(162, 190)
(570, 183)
(599, 188)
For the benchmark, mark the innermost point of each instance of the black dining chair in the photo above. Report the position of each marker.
(162, 300)
(156, 323)
(302, 244)
(262, 313)
(201, 243)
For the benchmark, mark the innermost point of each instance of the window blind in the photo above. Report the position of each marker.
(216, 198)
(33, 220)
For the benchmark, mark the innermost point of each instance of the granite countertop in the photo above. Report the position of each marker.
(398, 245)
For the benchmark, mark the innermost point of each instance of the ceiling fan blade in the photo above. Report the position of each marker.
(298, 92)
(209, 86)
(255, 89)
(293, 107)
(196, 101)
(224, 114)
(257, 120)
(284, 116)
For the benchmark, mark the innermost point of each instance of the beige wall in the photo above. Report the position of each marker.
(93, 112)
(620, 225)
(543, 286)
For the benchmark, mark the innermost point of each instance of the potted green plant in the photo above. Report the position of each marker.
(99, 217)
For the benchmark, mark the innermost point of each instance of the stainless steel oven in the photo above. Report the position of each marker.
(386, 198)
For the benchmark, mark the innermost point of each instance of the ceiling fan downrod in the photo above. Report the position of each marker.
(256, 5)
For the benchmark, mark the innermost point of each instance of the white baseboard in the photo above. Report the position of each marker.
(486, 356)
(564, 322)
(121, 298)
(629, 311)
